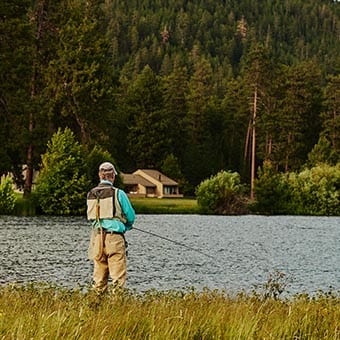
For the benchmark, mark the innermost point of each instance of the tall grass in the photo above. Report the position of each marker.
(25, 207)
(46, 312)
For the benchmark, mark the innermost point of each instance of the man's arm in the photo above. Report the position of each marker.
(127, 209)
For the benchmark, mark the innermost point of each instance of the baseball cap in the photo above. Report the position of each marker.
(107, 167)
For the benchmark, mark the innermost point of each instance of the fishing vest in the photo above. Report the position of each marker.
(102, 202)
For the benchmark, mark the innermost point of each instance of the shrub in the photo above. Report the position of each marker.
(7, 196)
(221, 194)
(272, 191)
(62, 183)
(323, 152)
(316, 191)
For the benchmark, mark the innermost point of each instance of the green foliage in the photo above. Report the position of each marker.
(16, 53)
(331, 116)
(61, 313)
(272, 191)
(79, 76)
(221, 194)
(62, 183)
(236, 112)
(7, 195)
(147, 135)
(97, 156)
(174, 91)
(26, 206)
(323, 152)
(316, 191)
(171, 168)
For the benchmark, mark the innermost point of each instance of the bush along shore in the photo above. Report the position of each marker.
(40, 311)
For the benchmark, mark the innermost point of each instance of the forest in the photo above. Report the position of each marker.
(187, 87)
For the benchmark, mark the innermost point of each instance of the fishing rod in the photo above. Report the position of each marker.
(173, 241)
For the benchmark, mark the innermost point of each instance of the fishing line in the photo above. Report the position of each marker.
(173, 241)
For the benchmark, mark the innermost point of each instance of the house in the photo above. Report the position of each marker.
(150, 183)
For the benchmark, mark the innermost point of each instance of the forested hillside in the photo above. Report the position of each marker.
(187, 87)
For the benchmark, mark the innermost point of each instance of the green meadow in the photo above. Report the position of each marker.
(43, 312)
(165, 205)
(142, 205)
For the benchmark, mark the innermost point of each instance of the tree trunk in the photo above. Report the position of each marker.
(246, 144)
(29, 156)
(287, 152)
(253, 147)
(270, 145)
(37, 17)
(29, 171)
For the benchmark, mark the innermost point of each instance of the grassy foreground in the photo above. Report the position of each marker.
(45, 312)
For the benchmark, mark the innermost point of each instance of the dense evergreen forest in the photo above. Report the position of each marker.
(187, 87)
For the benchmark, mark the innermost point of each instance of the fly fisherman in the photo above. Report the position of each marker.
(111, 215)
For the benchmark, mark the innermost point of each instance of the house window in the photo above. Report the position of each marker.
(131, 189)
(169, 190)
(150, 191)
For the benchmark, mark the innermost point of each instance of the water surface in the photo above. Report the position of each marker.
(243, 251)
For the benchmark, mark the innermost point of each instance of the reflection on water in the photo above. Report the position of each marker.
(245, 251)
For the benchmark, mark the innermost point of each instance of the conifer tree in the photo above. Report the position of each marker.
(203, 122)
(236, 118)
(27, 45)
(80, 77)
(300, 111)
(256, 75)
(15, 65)
(331, 115)
(147, 137)
(175, 89)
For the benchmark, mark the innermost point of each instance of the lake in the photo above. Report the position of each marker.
(233, 253)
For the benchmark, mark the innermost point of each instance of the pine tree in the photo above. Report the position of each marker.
(331, 115)
(15, 66)
(175, 89)
(80, 77)
(257, 75)
(147, 137)
(300, 110)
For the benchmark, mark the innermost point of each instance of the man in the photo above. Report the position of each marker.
(111, 214)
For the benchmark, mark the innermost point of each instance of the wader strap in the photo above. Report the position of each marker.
(102, 234)
(126, 246)
(97, 207)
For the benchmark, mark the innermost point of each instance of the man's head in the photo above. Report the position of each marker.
(107, 171)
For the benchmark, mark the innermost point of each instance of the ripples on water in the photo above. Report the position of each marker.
(245, 251)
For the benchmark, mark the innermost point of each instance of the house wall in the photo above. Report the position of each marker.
(141, 189)
(159, 186)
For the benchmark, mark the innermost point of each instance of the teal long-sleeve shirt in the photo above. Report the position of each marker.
(127, 209)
